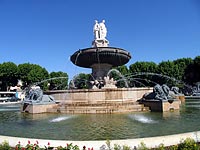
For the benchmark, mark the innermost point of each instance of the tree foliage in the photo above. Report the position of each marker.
(59, 80)
(23, 72)
(118, 74)
(37, 75)
(192, 71)
(30, 74)
(143, 67)
(8, 75)
(137, 79)
(81, 81)
(185, 69)
(182, 65)
(123, 70)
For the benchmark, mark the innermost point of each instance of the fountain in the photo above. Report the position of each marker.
(100, 57)
(103, 96)
(70, 122)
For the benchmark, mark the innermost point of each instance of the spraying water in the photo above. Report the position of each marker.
(59, 119)
(55, 78)
(120, 75)
(142, 119)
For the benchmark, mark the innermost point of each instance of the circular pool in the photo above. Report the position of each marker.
(99, 126)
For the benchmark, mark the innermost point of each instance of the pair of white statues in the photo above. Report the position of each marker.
(100, 30)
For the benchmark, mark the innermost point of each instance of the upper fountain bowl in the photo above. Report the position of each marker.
(100, 55)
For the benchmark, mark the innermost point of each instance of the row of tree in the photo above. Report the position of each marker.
(30, 74)
(184, 69)
(138, 74)
(180, 72)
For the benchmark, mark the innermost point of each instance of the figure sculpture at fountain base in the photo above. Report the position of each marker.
(161, 99)
(105, 83)
(36, 102)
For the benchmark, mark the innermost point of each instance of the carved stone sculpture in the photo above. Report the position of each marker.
(96, 30)
(175, 90)
(109, 82)
(100, 33)
(35, 95)
(161, 93)
(100, 30)
(97, 84)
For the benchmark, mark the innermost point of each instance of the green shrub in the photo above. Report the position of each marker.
(161, 147)
(108, 144)
(142, 146)
(173, 147)
(5, 146)
(117, 147)
(188, 144)
(125, 147)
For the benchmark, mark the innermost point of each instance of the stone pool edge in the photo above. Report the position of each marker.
(150, 142)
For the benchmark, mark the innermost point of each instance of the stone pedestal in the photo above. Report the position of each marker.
(100, 43)
(162, 106)
(36, 108)
(85, 101)
(181, 98)
(99, 71)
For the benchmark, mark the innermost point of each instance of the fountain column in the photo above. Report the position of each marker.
(100, 70)
(100, 57)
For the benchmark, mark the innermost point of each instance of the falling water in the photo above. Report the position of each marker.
(156, 74)
(55, 78)
(75, 78)
(120, 75)
(79, 52)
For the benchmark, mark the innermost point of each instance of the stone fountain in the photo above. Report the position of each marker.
(104, 96)
(100, 57)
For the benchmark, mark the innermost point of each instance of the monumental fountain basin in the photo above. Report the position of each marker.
(84, 127)
(100, 55)
(105, 100)
(89, 101)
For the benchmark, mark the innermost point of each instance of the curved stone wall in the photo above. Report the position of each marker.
(150, 142)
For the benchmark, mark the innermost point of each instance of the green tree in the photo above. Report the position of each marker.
(168, 68)
(81, 81)
(142, 74)
(192, 72)
(143, 67)
(37, 75)
(119, 74)
(123, 70)
(182, 64)
(59, 80)
(8, 75)
(197, 69)
(23, 71)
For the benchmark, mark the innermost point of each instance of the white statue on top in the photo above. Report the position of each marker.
(96, 30)
(100, 30)
(103, 30)
(100, 33)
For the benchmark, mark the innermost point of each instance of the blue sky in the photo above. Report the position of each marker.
(48, 32)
